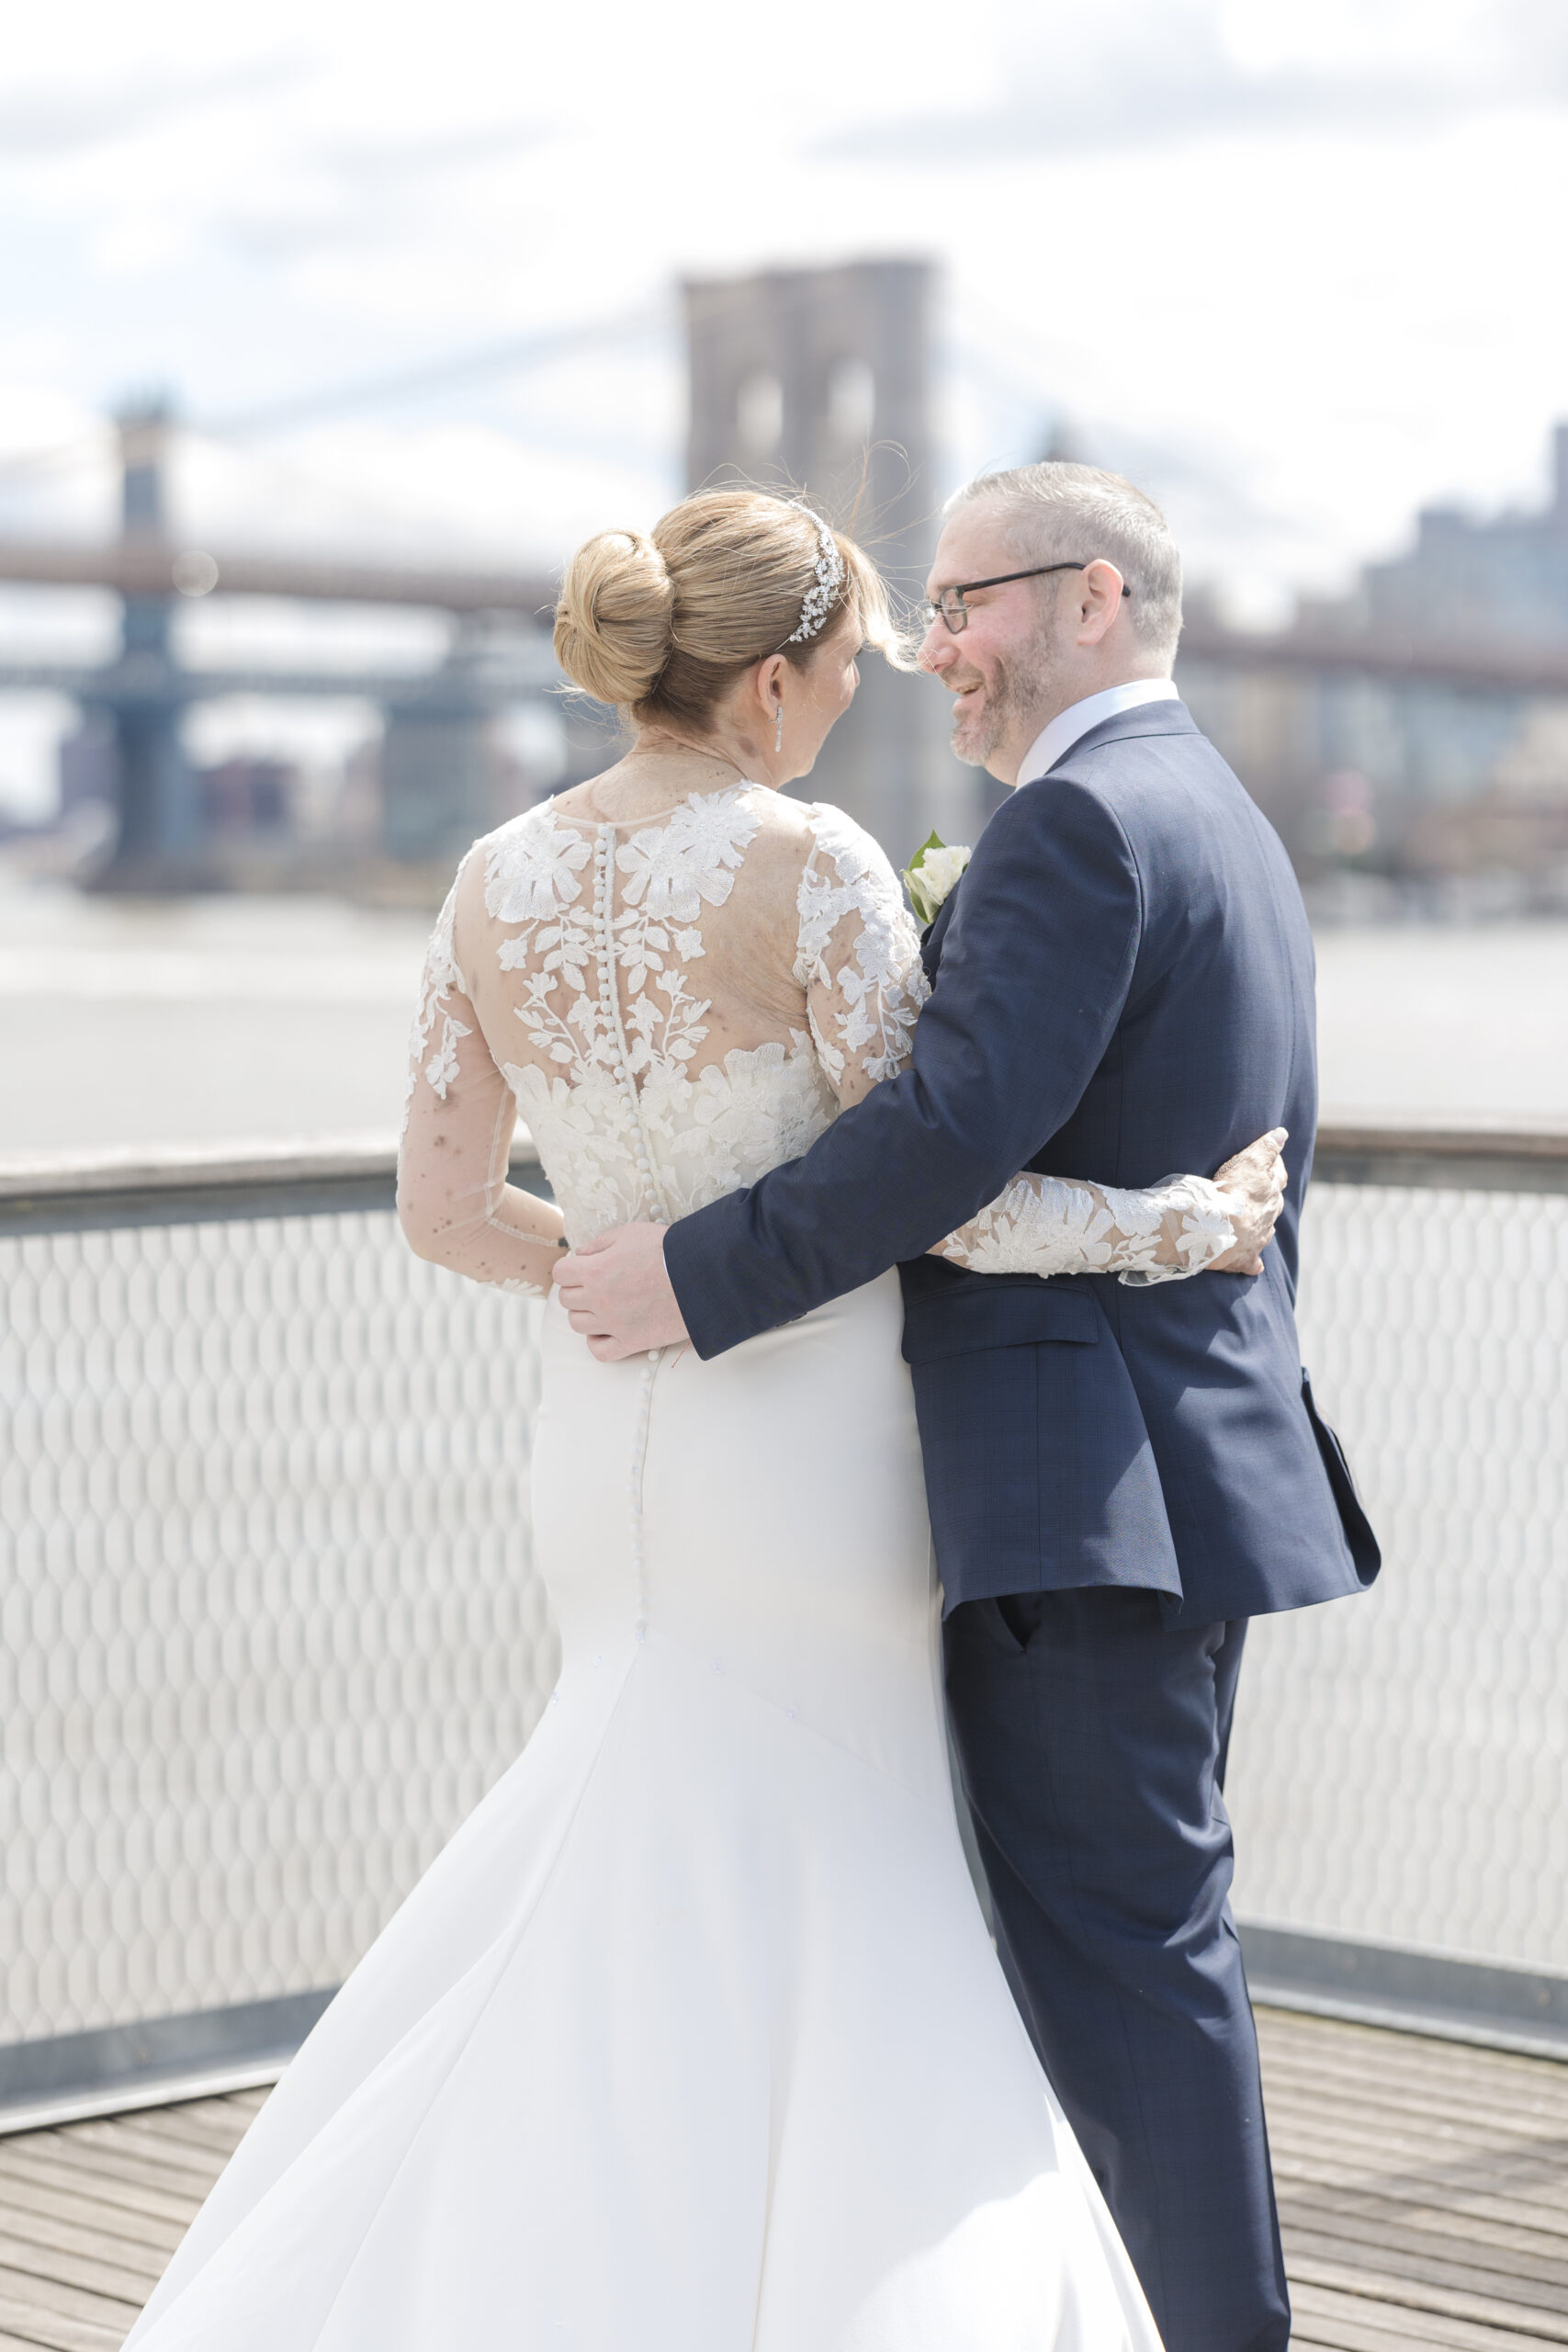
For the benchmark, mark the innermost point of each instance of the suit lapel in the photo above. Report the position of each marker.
(932, 937)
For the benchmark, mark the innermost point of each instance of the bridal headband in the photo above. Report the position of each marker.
(829, 579)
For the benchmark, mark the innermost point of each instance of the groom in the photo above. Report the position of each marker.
(1119, 1477)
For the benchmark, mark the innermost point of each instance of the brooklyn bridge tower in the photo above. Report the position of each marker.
(817, 381)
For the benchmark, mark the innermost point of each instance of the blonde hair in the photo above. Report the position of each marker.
(662, 623)
(1058, 512)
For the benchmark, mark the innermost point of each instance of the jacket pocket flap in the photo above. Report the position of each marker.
(1013, 1315)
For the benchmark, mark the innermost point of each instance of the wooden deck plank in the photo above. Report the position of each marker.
(25, 2256)
(1423, 2195)
(1367, 2327)
(1425, 2309)
(1474, 2120)
(1532, 2253)
(1504, 2102)
(1343, 2335)
(54, 2249)
(1482, 2212)
(52, 2332)
(1475, 2270)
(1461, 2195)
(18, 2159)
(128, 2136)
(34, 2205)
(1362, 2056)
(27, 2203)
(1464, 2290)
(1422, 2064)
(61, 2299)
(1512, 2169)
(218, 2107)
(1471, 2121)
(57, 2332)
(1380, 2121)
(205, 2137)
(1539, 2180)
(107, 2163)
(1501, 2213)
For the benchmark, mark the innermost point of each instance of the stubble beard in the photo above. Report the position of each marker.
(1019, 685)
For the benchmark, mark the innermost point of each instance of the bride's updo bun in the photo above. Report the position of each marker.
(613, 623)
(663, 624)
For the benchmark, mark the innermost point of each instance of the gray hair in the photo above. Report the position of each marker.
(1056, 512)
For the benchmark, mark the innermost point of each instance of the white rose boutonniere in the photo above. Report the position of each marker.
(930, 875)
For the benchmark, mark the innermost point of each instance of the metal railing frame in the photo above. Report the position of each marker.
(93, 1191)
(123, 2067)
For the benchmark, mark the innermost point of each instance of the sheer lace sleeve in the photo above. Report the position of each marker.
(1043, 1224)
(454, 1204)
(858, 958)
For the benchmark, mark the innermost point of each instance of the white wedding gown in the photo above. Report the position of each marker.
(692, 2040)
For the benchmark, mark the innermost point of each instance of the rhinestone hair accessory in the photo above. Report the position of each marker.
(829, 579)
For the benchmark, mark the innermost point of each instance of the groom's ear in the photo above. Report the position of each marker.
(1099, 601)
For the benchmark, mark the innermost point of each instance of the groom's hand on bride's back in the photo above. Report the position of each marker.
(1254, 1185)
(616, 1292)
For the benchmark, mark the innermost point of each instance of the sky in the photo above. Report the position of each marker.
(1293, 267)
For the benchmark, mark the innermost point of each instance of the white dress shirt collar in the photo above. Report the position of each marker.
(1064, 730)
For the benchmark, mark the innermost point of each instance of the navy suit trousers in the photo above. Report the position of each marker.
(1092, 1739)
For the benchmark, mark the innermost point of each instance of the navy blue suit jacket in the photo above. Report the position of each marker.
(1122, 990)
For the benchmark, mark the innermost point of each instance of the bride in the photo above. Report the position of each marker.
(693, 2039)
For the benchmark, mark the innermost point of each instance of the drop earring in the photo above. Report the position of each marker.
(778, 728)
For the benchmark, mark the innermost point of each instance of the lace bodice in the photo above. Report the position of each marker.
(674, 1006)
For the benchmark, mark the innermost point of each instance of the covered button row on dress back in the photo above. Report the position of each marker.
(610, 1007)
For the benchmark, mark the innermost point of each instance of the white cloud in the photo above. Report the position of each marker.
(1293, 266)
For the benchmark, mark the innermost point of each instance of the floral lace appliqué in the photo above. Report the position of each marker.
(849, 896)
(431, 1055)
(673, 867)
(1042, 1225)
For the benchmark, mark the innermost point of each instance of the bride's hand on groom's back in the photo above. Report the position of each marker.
(1253, 1184)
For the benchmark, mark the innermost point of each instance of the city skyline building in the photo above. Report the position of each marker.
(1469, 579)
(1419, 776)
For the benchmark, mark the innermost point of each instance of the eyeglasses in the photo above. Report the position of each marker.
(956, 612)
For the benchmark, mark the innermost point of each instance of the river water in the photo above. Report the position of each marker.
(211, 1020)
